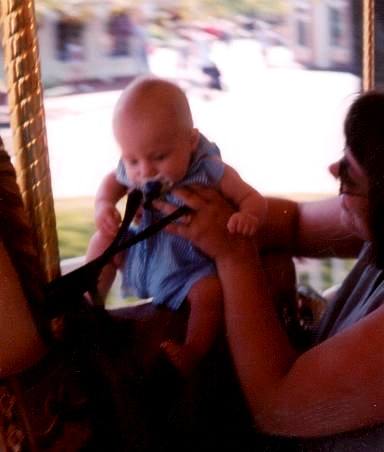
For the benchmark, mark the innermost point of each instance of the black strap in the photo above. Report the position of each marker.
(63, 293)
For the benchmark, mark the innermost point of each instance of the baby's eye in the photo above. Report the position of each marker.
(160, 157)
(132, 162)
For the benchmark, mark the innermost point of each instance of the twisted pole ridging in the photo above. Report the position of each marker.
(27, 117)
(368, 7)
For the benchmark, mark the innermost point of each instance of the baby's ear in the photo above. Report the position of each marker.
(195, 137)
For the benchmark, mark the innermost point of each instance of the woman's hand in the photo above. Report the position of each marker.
(206, 225)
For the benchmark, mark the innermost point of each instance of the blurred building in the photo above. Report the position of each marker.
(321, 33)
(90, 39)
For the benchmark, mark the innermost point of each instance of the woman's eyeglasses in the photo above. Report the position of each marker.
(348, 186)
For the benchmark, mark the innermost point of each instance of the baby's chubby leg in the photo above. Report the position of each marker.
(205, 317)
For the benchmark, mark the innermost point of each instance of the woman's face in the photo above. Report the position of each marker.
(354, 194)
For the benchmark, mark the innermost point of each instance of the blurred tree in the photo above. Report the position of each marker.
(48, 3)
(64, 4)
(201, 8)
(264, 8)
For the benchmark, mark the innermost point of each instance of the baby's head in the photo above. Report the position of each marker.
(153, 126)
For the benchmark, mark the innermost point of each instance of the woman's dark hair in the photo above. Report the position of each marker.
(364, 135)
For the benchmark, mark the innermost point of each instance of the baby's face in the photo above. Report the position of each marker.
(150, 152)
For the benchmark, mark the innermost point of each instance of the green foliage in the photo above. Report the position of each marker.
(75, 225)
(202, 8)
(266, 8)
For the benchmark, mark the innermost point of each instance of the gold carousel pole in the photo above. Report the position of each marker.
(368, 7)
(22, 67)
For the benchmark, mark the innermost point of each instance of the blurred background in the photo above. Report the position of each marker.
(268, 80)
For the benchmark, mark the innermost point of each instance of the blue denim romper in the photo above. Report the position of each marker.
(166, 266)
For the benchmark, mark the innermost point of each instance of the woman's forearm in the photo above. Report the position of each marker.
(329, 389)
(260, 347)
(311, 229)
(278, 232)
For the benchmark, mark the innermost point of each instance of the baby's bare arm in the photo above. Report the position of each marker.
(110, 190)
(250, 203)
(107, 217)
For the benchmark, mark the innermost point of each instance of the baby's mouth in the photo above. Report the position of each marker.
(164, 182)
(154, 188)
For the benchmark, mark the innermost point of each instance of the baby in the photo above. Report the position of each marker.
(153, 126)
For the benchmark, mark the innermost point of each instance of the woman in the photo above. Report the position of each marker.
(334, 391)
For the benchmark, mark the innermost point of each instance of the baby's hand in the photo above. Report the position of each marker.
(243, 223)
(107, 218)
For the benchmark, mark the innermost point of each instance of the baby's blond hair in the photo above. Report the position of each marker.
(149, 95)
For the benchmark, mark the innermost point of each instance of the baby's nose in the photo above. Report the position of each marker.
(148, 170)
